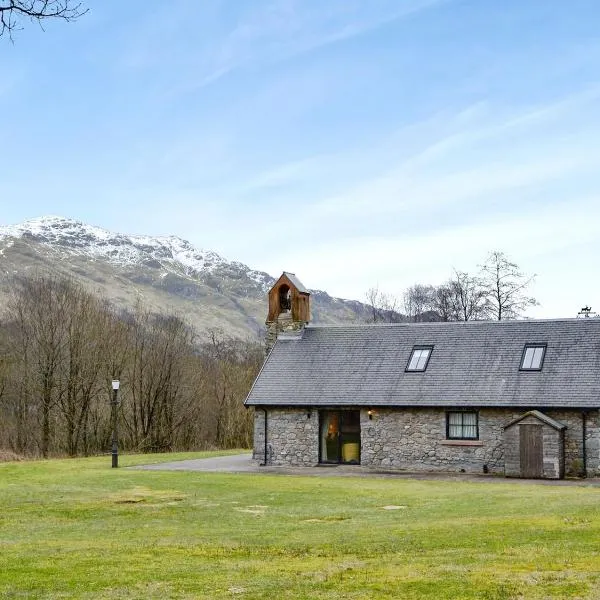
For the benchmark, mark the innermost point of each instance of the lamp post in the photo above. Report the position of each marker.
(115, 433)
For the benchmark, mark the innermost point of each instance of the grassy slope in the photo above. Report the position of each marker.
(76, 528)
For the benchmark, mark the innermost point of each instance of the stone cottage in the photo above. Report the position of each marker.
(519, 398)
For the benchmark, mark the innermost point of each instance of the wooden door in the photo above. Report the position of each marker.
(532, 451)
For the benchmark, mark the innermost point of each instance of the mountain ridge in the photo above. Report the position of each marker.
(167, 273)
(118, 248)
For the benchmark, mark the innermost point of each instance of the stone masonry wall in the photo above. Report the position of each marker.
(292, 436)
(573, 441)
(274, 328)
(593, 444)
(258, 449)
(415, 439)
(512, 452)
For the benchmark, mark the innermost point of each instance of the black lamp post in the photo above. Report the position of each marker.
(115, 433)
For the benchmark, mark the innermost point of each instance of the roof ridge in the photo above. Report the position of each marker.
(474, 323)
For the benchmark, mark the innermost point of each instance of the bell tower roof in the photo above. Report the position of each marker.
(289, 299)
(295, 281)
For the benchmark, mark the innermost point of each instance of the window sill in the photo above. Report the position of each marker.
(461, 443)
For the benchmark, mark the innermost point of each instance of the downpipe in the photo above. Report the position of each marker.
(583, 443)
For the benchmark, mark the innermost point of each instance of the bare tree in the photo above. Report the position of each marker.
(38, 306)
(506, 287)
(443, 303)
(467, 297)
(419, 302)
(58, 337)
(12, 12)
(4, 365)
(159, 350)
(59, 348)
(383, 308)
(228, 368)
(88, 322)
(18, 431)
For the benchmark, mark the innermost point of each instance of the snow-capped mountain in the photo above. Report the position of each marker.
(166, 273)
(173, 254)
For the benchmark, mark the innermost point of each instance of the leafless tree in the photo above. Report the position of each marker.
(58, 338)
(63, 346)
(158, 351)
(4, 365)
(443, 302)
(87, 321)
(383, 308)
(13, 12)
(461, 298)
(506, 286)
(37, 306)
(419, 302)
(467, 297)
(228, 366)
(17, 431)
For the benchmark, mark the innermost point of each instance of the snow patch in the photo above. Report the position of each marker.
(169, 253)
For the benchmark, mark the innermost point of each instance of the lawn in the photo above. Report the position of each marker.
(78, 529)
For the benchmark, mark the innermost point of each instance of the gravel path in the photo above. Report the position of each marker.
(243, 463)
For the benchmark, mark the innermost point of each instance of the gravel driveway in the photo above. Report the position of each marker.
(243, 463)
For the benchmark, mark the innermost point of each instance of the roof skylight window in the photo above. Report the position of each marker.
(533, 357)
(419, 357)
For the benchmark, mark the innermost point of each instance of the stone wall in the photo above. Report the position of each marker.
(592, 438)
(573, 441)
(415, 439)
(283, 324)
(258, 449)
(292, 436)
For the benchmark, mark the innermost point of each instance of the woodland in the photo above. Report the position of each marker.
(60, 348)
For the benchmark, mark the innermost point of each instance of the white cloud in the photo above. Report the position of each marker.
(348, 267)
(512, 180)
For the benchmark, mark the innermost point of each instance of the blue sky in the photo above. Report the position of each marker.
(356, 143)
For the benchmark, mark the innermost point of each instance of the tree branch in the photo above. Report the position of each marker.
(12, 11)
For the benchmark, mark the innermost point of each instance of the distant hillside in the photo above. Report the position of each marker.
(167, 274)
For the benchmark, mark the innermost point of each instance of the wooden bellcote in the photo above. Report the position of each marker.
(289, 299)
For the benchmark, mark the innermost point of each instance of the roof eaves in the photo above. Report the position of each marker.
(540, 416)
(246, 403)
(297, 283)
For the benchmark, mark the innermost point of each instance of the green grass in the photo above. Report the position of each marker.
(78, 529)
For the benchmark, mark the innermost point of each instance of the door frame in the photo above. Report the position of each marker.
(340, 438)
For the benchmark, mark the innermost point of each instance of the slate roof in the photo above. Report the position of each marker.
(473, 364)
(297, 283)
